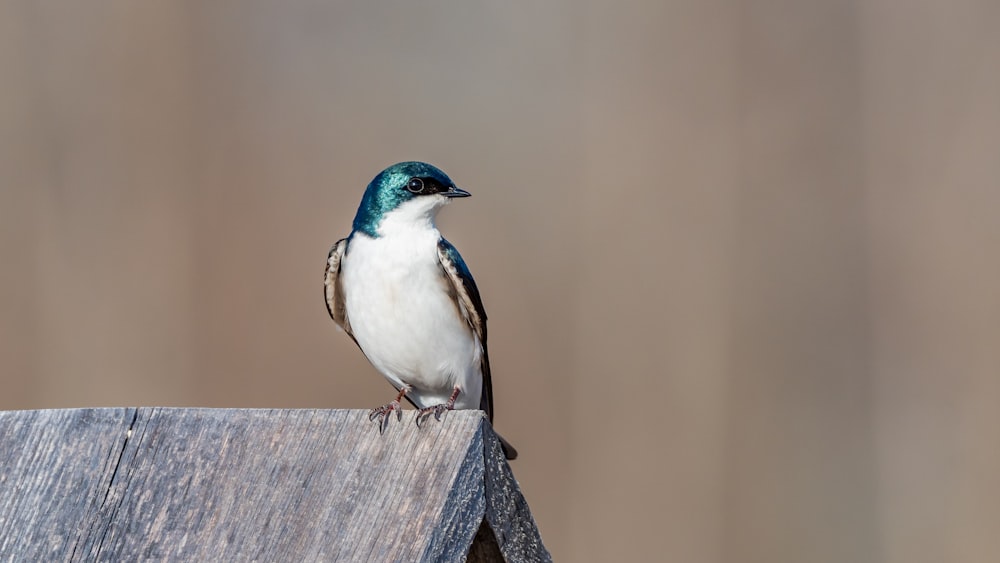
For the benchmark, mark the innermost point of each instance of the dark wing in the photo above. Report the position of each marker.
(333, 290)
(470, 305)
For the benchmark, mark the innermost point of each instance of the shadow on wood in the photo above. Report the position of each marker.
(129, 484)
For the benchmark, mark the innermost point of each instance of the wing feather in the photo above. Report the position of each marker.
(333, 289)
(470, 305)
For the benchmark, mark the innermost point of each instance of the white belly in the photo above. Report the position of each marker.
(405, 321)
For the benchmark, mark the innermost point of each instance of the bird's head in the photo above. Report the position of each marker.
(407, 193)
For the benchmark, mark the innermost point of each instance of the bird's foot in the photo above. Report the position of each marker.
(384, 413)
(436, 410)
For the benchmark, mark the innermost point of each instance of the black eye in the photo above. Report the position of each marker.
(416, 185)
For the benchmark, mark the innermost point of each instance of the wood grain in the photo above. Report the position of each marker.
(247, 484)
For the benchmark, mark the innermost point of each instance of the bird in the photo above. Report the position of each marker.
(406, 297)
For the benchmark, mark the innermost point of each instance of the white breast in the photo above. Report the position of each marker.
(404, 319)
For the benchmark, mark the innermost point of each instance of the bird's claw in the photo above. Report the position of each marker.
(436, 410)
(383, 414)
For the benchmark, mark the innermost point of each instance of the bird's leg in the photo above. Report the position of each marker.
(385, 411)
(438, 410)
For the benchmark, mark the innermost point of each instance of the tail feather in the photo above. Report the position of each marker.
(508, 450)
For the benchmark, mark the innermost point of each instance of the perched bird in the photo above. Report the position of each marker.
(406, 297)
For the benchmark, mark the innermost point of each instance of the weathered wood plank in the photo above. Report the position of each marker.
(507, 511)
(215, 484)
(55, 468)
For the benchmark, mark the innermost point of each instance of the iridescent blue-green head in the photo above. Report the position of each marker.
(407, 192)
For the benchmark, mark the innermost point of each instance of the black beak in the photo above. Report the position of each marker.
(455, 191)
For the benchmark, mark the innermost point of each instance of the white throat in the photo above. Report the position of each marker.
(416, 214)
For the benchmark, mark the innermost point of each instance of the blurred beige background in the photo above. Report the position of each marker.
(740, 258)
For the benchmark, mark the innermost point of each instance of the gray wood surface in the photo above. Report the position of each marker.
(132, 484)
